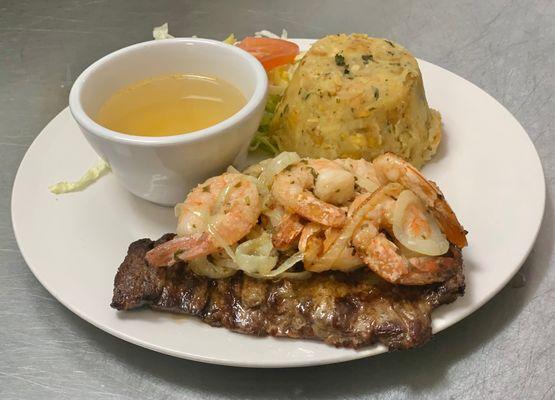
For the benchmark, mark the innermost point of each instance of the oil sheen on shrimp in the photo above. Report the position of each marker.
(392, 168)
(293, 189)
(370, 232)
(338, 214)
(219, 212)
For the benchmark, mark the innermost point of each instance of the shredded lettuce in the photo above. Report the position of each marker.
(271, 35)
(278, 79)
(262, 139)
(231, 39)
(91, 176)
(161, 32)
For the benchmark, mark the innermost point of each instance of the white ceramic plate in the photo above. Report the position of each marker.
(486, 166)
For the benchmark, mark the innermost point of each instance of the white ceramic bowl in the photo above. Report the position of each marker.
(164, 169)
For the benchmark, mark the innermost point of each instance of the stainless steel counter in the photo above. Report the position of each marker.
(506, 350)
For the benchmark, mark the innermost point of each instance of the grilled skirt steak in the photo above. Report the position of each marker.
(344, 310)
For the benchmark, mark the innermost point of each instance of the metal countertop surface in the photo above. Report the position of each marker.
(504, 350)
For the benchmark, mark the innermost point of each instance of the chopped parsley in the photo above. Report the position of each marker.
(339, 60)
(314, 173)
(367, 57)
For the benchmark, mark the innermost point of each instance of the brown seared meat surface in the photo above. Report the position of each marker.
(344, 310)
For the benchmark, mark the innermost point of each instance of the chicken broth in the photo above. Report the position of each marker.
(170, 105)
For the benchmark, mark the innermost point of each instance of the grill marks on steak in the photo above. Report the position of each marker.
(344, 310)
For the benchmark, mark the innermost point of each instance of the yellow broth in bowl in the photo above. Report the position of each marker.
(170, 105)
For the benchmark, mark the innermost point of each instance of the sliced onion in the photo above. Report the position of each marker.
(203, 266)
(357, 216)
(254, 170)
(275, 166)
(275, 215)
(256, 256)
(287, 264)
(220, 241)
(415, 228)
(270, 168)
(367, 184)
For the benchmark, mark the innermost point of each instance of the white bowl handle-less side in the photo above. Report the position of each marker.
(164, 169)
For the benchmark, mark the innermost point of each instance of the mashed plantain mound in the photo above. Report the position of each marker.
(357, 96)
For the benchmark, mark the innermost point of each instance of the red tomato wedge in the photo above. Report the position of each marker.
(270, 52)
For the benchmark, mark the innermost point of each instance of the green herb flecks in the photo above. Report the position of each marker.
(339, 60)
(366, 58)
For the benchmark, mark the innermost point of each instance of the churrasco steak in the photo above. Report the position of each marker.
(344, 310)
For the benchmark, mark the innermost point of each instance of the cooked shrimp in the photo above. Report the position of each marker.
(287, 232)
(392, 168)
(386, 259)
(370, 224)
(219, 212)
(314, 243)
(292, 189)
(323, 252)
(365, 175)
(285, 227)
(333, 183)
(370, 239)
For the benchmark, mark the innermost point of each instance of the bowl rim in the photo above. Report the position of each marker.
(91, 126)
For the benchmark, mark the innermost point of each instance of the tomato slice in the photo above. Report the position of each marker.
(270, 52)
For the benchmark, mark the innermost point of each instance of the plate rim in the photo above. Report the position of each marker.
(363, 353)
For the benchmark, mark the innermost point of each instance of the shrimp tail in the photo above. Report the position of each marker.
(449, 224)
(179, 249)
(311, 244)
(287, 232)
(392, 168)
(319, 211)
(385, 259)
(426, 270)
